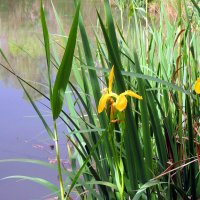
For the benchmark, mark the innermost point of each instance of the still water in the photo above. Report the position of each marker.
(22, 133)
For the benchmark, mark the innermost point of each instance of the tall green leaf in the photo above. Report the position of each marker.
(46, 44)
(191, 147)
(95, 90)
(51, 135)
(145, 120)
(135, 162)
(64, 70)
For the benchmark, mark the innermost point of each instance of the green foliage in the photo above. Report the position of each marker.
(64, 70)
(149, 150)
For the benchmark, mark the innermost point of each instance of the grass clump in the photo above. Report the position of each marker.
(128, 149)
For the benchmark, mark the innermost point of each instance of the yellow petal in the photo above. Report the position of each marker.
(121, 102)
(132, 94)
(102, 102)
(111, 76)
(197, 86)
(112, 94)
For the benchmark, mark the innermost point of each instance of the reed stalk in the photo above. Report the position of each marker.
(62, 191)
(180, 76)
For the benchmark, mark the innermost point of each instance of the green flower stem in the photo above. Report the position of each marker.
(117, 160)
(111, 141)
(121, 165)
(58, 161)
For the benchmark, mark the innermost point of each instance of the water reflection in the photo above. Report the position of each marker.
(21, 38)
(24, 137)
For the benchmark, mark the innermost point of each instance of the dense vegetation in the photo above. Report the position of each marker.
(131, 106)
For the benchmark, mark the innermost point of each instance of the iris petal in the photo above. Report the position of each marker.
(111, 76)
(102, 102)
(121, 102)
(132, 94)
(197, 86)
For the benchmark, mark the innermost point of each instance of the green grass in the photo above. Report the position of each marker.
(152, 152)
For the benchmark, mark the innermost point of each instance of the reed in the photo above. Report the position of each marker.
(133, 121)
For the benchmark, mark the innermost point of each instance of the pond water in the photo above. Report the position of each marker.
(22, 133)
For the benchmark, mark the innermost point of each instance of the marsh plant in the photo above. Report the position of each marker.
(133, 105)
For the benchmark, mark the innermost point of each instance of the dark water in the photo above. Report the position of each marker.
(22, 134)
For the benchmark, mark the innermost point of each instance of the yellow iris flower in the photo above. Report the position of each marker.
(120, 101)
(197, 86)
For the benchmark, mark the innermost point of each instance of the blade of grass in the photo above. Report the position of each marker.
(46, 45)
(32, 161)
(64, 70)
(111, 28)
(85, 163)
(149, 78)
(145, 121)
(93, 76)
(40, 181)
(92, 170)
(51, 135)
(191, 148)
(61, 29)
(145, 187)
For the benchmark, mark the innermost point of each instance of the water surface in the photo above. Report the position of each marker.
(22, 133)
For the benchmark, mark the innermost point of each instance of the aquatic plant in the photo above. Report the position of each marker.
(127, 149)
